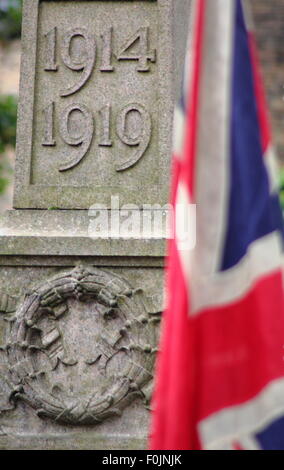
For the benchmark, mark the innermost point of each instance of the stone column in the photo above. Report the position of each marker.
(81, 253)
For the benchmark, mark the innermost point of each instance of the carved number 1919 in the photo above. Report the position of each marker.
(83, 141)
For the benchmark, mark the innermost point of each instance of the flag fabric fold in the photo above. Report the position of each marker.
(220, 369)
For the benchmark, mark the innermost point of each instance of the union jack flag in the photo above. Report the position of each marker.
(220, 370)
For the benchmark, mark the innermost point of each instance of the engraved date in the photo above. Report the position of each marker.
(82, 138)
(135, 48)
(81, 51)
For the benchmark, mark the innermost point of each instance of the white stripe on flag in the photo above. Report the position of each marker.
(213, 148)
(226, 287)
(249, 443)
(241, 421)
(187, 77)
(212, 158)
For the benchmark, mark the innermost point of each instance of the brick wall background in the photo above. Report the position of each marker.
(269, 25)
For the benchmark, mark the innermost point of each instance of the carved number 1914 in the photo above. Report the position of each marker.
(87, 61)
(83, 141)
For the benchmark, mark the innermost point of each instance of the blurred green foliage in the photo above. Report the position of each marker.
(10, 19)
(10, 28)
(3, 180)
(8, 120)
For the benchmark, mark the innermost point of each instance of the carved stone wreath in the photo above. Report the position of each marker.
(81, 347)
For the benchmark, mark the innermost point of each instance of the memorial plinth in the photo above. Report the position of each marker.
(79, 307)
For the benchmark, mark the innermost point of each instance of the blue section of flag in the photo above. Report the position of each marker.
(252, 212)
(272, 438)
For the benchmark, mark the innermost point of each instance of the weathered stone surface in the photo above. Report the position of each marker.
(80, 311)
(96, 117)
(21, 426)
(67, 233)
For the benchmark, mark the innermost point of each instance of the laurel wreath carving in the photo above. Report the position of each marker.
(136, 339)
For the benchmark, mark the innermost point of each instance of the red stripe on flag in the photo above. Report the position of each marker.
(236, 363)
(192, 111)
(237, 446)
(224, 356)
(173, 421)
(210, 362)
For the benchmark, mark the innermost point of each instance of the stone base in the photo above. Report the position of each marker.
(79, 320)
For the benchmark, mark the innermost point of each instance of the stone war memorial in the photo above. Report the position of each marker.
(81, 302)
